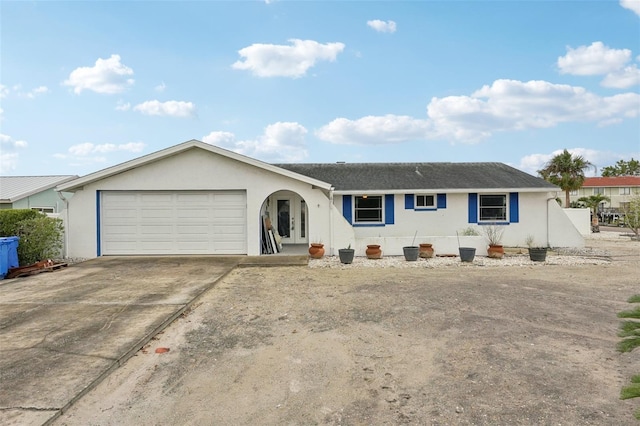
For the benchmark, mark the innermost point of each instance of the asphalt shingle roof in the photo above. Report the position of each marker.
(14, 188)
(424, 176)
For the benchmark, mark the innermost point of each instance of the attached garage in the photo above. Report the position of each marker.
(172, 222)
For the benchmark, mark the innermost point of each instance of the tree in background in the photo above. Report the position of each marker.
(632, 216)
(566, 171)
(592, 202)
(622, 168)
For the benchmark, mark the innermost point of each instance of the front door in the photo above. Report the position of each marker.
(291, 213)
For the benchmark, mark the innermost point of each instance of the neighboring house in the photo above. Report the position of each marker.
(618, 188)
(32, 192)
(196, 198)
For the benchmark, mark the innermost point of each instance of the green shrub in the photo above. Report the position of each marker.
(40, 239)
(9, 220)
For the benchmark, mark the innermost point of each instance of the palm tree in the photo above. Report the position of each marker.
(566, 171)
(593, 201)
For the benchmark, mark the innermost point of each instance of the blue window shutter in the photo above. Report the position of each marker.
(389, 216)
(346, 208)
(409, 201)
(473, 207)
(442, 201)
(514, 214)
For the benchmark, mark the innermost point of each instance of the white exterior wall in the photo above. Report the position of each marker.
(193, 169)
(581, 219)
(537, 217)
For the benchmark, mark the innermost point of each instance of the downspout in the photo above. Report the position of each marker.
(332, 250)
(66, 224)
(548, 212)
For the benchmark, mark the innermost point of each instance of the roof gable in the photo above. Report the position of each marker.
(15, 188)
(421, 176)
(176, 149)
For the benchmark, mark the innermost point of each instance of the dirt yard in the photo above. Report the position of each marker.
(472, 345)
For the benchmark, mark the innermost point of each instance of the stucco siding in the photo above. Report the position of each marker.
(193, 169)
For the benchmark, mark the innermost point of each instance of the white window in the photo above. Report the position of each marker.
(425, 201)
(368, 209)
(573, 192)
(43, 209)
(493, 207)
(625, 191)
(597, 191)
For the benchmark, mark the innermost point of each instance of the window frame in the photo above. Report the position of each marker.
(356, 209)
(598, 190)
(45, 210)
(434, 201)
(504, 207)
(625, 190)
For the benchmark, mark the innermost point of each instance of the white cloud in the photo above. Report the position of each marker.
(627, 77)
(4, 91)
(515, 105)
(123, 106)
(8, 156)
(272, 60)
(88, 148)
(169, 108)
(160, 87)
(633, 5)
(374, 130)
(280, 142)
(41, 90)
(506, 105)
(107, 76)
(382, 26)
(534, 162)
(596, 59)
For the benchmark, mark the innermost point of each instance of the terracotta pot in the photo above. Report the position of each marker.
(373, 251)
(316, 251)
(426, 250)
(495, 251)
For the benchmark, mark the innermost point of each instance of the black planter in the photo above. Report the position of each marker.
(538, 254)
(411, 253)
(467, 253)
(346, 255)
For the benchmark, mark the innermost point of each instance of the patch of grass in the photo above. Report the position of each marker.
(630, 332)
(627, 345)
(629, 328)
(631, 391)
(630, 314)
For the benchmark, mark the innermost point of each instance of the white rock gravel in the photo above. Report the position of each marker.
(518, 257)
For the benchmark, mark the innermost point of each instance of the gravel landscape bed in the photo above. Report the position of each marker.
(514, 257)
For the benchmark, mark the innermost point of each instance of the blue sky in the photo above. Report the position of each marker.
(87, 85)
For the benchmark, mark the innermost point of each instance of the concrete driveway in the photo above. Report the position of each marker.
(62, 332)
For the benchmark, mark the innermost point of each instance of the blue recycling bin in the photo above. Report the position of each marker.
(8, 254)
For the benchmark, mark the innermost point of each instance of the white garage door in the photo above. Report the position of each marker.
(185, 222)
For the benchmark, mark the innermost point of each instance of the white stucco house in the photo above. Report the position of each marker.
(196, 198)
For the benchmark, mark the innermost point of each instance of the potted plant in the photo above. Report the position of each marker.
(536, 254)
(426, 250)
(467, 254)
(411, 252)
(346, 255)
(493, 234)
(316, 250)
(373, 251)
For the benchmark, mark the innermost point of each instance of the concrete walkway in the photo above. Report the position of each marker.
(63, 332)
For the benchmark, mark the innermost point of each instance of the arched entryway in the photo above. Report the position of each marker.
(284, 224)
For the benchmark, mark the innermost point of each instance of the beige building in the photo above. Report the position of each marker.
(619, 189)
